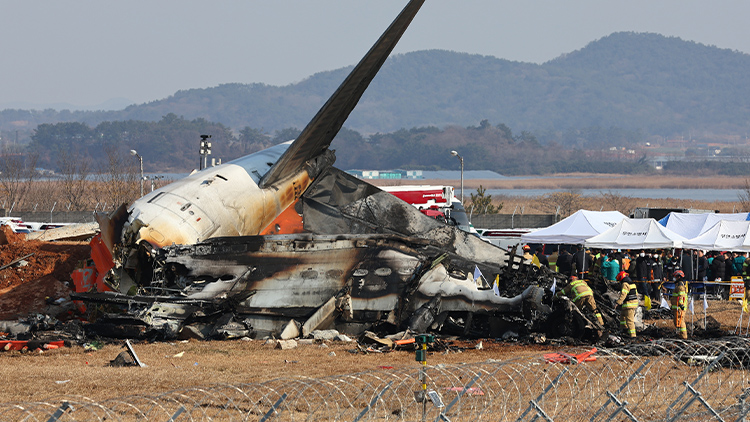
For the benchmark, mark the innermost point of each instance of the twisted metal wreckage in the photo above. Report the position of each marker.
(282, 235)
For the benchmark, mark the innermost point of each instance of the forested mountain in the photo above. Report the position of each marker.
(634, 81)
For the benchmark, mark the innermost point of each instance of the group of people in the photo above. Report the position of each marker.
(642, 274)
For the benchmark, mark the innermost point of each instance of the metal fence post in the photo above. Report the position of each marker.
(534, 405)
(621, 407)
(455, 400)
(273, 408)
(177, 413)
(372, 402)
(613, 396)
(744, 408)
(60, 411)
(696, 394)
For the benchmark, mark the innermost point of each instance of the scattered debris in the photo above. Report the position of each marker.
(325, 335)
(122, 359)
(570, 358)
(20, 261)
(81, 231)
(292, 330)
(286, 344)
(24, 345)
(127, 357)
(471, 391)
(93, 346)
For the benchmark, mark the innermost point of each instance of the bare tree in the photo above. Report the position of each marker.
(43, 195)
(17, 173)
(744, 197)
(563, 203)
(614, 201)
(117, 178)
(74, 171)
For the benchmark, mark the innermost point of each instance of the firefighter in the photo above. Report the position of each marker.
(527, 253)
(581, 295)
(679, 303)
(627, 303)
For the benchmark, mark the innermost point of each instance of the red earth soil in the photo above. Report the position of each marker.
(46, 274)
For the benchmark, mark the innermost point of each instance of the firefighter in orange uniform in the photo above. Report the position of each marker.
(582, 296)
(679, 303)
(627, 302)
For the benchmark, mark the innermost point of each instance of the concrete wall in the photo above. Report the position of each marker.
(509, 221)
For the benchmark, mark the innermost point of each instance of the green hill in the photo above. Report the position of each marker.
(634, 81)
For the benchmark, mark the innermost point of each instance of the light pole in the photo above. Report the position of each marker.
(460, 158)
(205, 151)
(140, 160)
(154, 178)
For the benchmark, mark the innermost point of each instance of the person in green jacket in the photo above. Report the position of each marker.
(610, 268)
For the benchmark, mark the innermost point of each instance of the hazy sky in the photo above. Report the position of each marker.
(86, 52)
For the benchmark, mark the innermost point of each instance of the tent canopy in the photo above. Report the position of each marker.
(636, 233)
(691, 225)
(576, 228)
(726, 235)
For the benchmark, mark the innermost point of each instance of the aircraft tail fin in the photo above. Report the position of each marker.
(316, 137)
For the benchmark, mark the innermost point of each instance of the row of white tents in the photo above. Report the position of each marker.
(613, 230)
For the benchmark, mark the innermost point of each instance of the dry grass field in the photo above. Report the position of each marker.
(73, 371)
(38, 376)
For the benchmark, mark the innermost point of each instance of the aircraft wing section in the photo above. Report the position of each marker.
(318, 134)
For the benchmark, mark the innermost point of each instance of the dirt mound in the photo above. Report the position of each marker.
(9, 236)
(42, 272)
(31, 297)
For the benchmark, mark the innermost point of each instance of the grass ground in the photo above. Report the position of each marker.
(72, 371)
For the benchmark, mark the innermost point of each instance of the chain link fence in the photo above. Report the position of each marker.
(665, 380)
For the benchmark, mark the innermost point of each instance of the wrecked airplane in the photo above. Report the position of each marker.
(280, 235)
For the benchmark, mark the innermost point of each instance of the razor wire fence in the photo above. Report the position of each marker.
(665, 380)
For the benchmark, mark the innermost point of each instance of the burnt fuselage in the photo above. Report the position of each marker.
(292, 275)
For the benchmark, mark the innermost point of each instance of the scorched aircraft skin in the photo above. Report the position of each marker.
(282, 234)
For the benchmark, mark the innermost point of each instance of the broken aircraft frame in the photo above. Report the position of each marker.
(281, 234)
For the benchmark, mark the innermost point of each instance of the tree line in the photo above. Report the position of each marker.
(172, 143)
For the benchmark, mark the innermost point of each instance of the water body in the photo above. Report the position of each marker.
(695, 194)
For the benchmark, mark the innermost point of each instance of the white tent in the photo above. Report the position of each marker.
(725, 235)
(691, 225)
(636, 233)
(575, 229)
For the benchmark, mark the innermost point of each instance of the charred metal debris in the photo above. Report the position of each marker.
(258, 286)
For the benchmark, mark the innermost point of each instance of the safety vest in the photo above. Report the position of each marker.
(631, 300)
(679, 296)
(581, 289)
